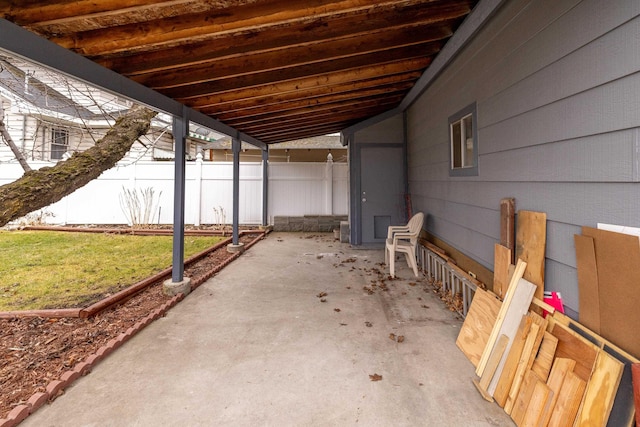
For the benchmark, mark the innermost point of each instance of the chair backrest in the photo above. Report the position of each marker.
(415, 226)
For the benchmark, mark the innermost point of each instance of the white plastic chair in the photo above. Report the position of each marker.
(404, 239)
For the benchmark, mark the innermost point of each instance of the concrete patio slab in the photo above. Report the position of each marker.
(256, 346)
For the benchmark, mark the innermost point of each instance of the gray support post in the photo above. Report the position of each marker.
(178, 283)
(236, 246)
(265, 187)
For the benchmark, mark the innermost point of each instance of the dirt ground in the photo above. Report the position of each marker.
(35, 351)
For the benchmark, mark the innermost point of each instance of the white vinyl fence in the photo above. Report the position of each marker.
(295, 189)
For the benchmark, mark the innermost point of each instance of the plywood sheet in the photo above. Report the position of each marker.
(501, 263)
(588, 296)
(617, 259)
(622, 413)
(573, 346)
(600, 392)
(531, 240)
(519, 307)
(478, 324)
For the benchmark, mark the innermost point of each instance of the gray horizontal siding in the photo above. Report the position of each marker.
(576, 72)
(571, 203)
(473, 244)
(591, 112)
(557, 85)
(610, 157)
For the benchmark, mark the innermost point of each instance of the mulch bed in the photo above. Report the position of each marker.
(36, 351)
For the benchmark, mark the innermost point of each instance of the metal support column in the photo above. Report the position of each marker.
(180, 129)
(236, 144)
(265, 186)
(178, 284)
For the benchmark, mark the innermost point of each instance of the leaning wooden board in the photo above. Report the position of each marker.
(568, 402)
(501, 263)
(495, 331)
(601, 391)
(573, 346)
(544, 358)
(507, 226)
(522, 369)
(531, 240)
(477, 326)
(523, 294)
(622, 413)
(511, 365)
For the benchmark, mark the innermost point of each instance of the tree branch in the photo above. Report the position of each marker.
(40, 188)
(4, 132)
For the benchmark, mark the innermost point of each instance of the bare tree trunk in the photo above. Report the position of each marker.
(7, 138)
(40, 188)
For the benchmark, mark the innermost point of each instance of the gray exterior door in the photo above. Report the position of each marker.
(381, 191)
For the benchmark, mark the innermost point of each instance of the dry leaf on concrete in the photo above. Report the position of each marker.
(375, 377)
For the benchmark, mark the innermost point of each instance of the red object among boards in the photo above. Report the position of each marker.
(554, 299)
(635, 375)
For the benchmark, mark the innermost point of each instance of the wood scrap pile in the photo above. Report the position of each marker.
(544, 371)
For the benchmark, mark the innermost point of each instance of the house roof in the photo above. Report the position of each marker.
(276, 70)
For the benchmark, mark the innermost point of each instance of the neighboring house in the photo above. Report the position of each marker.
(49, 117)
(315, 149)
(542, 105)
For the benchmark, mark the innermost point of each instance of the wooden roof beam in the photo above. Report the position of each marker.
(310, 117)
(249, 15)
(378, 43)
(274, 99)
(344, 66)
(216, 45)
(29, 12)
(355, 76)
(316, 105)
(307, 133)
(349, 96)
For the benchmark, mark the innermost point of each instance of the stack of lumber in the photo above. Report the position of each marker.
(550, 371)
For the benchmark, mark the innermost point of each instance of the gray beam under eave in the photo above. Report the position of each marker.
(32, 47)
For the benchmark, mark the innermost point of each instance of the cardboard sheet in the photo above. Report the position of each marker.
(617, 261)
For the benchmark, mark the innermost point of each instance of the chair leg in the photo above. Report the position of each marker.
(392, 264)
(411, 262)
(386, 255)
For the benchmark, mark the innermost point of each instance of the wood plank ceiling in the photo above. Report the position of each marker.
(277, 70)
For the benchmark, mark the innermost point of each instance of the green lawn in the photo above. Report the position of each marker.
(48, 269)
